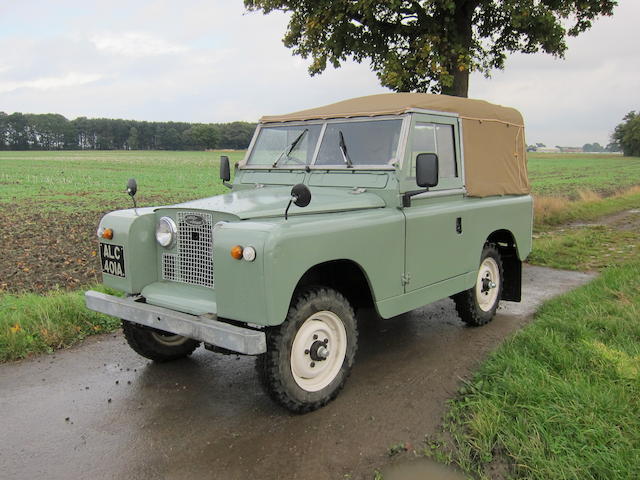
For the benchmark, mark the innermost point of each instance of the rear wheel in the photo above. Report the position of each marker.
(477, 306)
(157, 345)
(310, 355)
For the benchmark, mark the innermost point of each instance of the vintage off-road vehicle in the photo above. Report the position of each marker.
(398, 200)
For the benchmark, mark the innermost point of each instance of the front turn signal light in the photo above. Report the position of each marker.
(236, 252)
(107, 233)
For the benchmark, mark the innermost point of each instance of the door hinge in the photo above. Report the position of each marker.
(405, 279)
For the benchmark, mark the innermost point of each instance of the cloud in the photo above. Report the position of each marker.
(135, 44)
(71, 79)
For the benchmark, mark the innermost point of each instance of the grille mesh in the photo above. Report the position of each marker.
(193, 263)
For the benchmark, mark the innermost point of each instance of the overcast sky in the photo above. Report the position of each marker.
(209, 61)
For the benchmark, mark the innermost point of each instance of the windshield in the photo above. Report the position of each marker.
(288, 145)
(348, 144)
(360, 143)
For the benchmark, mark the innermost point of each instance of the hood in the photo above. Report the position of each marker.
(272, 201)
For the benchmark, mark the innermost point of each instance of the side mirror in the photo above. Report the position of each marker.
(300, 196)
(132, 187)
(427, 170)
(225, 171)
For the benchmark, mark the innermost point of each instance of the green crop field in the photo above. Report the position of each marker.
(567, 174)
(77, 181)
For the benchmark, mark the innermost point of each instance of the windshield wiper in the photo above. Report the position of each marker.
(343, 149)
(290, 147)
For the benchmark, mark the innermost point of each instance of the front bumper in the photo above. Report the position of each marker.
(205, 328)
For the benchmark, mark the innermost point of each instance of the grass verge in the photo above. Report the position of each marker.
(585, 249)
(556, 210)
(560, 399)
(31, 323)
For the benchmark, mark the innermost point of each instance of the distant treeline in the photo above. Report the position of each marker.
(51, 131)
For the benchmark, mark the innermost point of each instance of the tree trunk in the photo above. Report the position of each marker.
(460, 87)
(463, 36)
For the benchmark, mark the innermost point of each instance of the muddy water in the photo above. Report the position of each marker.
(100, 411)
(420, 469)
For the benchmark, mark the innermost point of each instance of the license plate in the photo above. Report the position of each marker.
(112, 258)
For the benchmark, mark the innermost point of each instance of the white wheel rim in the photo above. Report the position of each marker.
(488, 284)
(168, 339)
(309, 372)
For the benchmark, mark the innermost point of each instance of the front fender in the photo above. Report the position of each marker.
(260, 292)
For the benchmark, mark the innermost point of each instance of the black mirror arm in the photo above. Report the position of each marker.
(286, 210)
(406, 196)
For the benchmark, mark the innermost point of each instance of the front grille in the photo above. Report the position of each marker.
(193, 263)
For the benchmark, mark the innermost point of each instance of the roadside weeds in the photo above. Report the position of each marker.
(31, 323)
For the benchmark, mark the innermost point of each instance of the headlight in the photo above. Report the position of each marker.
(166, 232)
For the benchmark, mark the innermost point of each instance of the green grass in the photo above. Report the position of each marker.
(587, 248)
(77, 181)
(31, 323)
(559, 400)
(566, 174)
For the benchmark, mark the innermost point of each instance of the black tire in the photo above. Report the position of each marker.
(295, 391)
(469, 307)
(148, 343)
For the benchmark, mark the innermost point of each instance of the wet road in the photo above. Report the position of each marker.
(100, 411)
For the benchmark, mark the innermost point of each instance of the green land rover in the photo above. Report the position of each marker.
(388, 201)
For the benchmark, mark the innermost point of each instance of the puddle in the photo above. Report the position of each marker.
(420, 469)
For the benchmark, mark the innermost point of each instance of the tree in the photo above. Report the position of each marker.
(430, 45)
(592, 148)
(201, 137)
(612, 147)
(627, 135)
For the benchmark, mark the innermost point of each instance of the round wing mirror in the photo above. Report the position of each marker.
(301, 195)
(132, 187)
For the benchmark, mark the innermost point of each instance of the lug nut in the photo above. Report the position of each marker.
(306, 352)
(315, 337)
(313, 364)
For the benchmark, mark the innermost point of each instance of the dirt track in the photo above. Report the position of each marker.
(99, 411)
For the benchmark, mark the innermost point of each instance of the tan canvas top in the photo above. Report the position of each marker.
(397, 103)
(493, 135)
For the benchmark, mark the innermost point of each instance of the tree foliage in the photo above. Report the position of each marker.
(26, 131)
(627, 135)
(430, 45)
(593, 148)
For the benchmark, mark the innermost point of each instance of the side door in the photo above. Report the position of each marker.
(434, 220)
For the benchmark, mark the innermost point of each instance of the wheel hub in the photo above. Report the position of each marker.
(319, 351)
(487, 284)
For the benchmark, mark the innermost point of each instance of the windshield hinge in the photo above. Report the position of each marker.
(405, 279)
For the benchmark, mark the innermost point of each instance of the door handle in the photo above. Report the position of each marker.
(459, 225)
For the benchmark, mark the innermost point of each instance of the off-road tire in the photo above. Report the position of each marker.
(275, 366)
(467, 304)
(143, 340)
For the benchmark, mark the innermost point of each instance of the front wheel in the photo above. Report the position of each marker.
(310, 355)
(157, 345)
(477, 306)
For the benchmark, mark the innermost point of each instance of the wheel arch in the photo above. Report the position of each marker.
(506, 243)
(343, 275)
